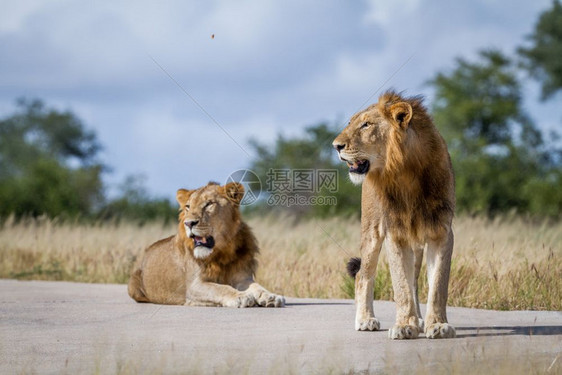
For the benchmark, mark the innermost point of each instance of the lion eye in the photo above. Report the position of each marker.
(208, 204)
(365, 125)
(187, 207)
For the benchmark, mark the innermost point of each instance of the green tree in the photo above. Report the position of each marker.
(311, 151)
(498, 154)
(478, 104)
(134, 203)
(48, 163)
(543, 59)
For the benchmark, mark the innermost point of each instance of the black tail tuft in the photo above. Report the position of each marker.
(353, 266)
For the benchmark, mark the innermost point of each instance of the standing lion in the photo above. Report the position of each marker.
(408, 198)
(211, 261)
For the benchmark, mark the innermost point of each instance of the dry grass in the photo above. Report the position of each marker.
(509, 263)
(46, 249)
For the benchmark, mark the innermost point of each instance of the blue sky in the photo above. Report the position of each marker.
(273, 66)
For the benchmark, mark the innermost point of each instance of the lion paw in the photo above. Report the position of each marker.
(270, 300)
(369, 324)
(440, 331)
(400, 332)
(244, 300)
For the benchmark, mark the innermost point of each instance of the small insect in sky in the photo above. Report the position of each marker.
(212, 36)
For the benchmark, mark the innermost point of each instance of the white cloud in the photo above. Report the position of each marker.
(391, 13)
(15, 13)
(272, 66)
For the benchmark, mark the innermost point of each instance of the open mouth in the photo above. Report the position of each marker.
(358, 166)
(208, 242)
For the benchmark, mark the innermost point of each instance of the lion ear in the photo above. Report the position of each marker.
(402, 114)
(234, 191)
(182, 196)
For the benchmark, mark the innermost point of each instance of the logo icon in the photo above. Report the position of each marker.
(251, 182)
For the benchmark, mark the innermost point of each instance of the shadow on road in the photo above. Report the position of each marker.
(510, 331)
(317, 303)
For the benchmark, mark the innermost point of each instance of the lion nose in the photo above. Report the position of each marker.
(339, 146)
(191, 223)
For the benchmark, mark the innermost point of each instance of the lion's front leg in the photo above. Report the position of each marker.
(262, 296)
(202, 293)
(439, 255)
(401, 264)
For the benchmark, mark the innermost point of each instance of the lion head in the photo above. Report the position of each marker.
(209, 217)
(376, 139)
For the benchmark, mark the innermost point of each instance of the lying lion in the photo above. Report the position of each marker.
(211, 261)
(408, 198)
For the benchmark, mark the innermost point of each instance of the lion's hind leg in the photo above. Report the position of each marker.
(418, 256)
(364, 271)
(135, 287)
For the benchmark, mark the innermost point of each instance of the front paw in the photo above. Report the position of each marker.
(440, 331)
(400, 332)
(241, 301)
(369, 324)
(270, 300)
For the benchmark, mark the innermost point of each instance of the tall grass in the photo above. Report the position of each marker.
(507, 263)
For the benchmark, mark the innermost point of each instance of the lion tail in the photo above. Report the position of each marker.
(353, 266)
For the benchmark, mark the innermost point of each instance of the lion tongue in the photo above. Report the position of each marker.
(200, 239)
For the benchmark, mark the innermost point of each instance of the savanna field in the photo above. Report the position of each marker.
(509, 263)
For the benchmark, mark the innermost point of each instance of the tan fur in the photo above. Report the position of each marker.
(408, 200)
(172, 273)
